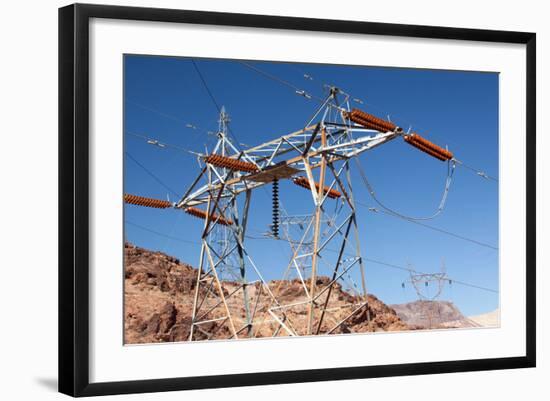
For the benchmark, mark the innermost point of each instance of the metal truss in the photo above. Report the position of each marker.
(319, 153)
(333, 138)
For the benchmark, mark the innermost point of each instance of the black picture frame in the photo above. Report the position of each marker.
(74, 198)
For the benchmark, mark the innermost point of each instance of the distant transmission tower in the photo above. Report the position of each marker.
(422, 282)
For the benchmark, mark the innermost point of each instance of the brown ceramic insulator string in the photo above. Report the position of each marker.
(369, 121)
(193, 211)
(304, 183)
(428, 147)
(230, 163)
(147, 202)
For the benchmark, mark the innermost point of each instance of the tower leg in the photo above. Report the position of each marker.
(240, 251)
(316, 234)
(196, 296)
(198, 283)
(356, 233)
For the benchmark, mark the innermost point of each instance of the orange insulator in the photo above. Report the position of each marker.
(304, 183)
(230, 163)
(369, 121)
(368, 125)
(147, 202)
(444, 152)
(428, 147)
(425, 149)
(373, 120)
(201, 214)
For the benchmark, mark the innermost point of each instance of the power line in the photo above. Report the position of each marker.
(448, 181)
(162, 144)
(203, 80)
(268, 75)
(414, 220)
(160, 113)
(304, 74)
(177, 238)
(296, 89)
(197, 130)
(378, 262)
(159, 233)
(407, 269)
(478, 172)
(150, 173)
(206, 86)
(430, 227)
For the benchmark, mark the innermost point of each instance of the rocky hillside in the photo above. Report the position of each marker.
(159, 292)
(432, 314)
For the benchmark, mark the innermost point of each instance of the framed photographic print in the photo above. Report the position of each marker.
(249, 199)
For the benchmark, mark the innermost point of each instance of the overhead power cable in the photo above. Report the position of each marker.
(150, 173)
(448, 181)
(197, 130)
(378, 262)
(160, 113)
(297, 90)
(394, 266)
(160, 234)
(163, 114)
(206, 86)
(440, 230)
(480, 173)
(162, 144)
(216, 104)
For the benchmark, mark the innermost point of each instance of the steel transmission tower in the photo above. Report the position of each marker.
(232, 299)
(422, 283)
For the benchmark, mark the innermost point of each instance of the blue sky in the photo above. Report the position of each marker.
(458, 109)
